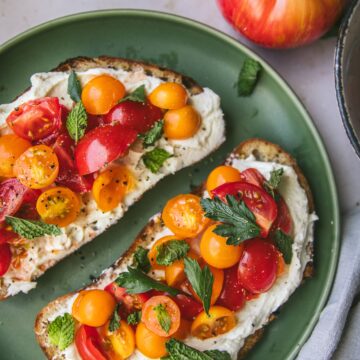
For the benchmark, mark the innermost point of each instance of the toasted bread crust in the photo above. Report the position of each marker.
(263, 151)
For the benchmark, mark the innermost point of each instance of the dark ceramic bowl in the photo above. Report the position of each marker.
(347, 74)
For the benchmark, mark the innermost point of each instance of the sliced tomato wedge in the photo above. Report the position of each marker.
(283, 221)
(260, 203)
(11, 196)
(36, 119)
(101, 146)
(188, 306)
(5, 258)
(68, 174)
(135, 115)
(252, 176)
(88, 343)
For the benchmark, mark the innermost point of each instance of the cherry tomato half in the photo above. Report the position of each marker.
(260, 203)
(36, 119)
(37, 167)
(101, 94)
(258, 266)
(101, 146)
(5, 258)
(169, 96)
(6, 235)
(27, 208)
(221, 175)
(283, 221)
(88, 343)
(188, 306)
(135, 115)
(252, 176)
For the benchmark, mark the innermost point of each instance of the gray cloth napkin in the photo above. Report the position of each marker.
(335, 328)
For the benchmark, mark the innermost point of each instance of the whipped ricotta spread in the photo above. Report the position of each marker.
(45, 251)
(256, 312)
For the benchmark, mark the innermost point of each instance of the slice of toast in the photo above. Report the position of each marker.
(262, 151)
(14, 283)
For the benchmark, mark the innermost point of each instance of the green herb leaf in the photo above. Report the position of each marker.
(74, 87)
(155, 159)
(141, 260)
(238, 221)
(134, 318)
(284, 243)
(114, 323)
(273, 183)
(248, 77)
(171, 251)
(154, 134)
(76, 122)
(61, 331)
(137, 95)
(135, 282)
(179, 351)
(201, 281)
(163, 317)
(31, 229)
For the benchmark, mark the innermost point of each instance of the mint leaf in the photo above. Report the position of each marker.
(155, 159)
(31, 229)
(76, 122)
(141, 260)
(163, 317)
(171, 251)
(154, 134)
(61, 331)
(273, 183)
(201, 281)
(114, 323)
(248, 77)
(238, 221)
(74, 87)
(134, 318)
(135, 282)
(137, 95)
(284, 243)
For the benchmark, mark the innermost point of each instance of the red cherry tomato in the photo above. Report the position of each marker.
(94, 121)
(88, 343)
(36, 119)
(261, 204)
(101, 146)
(258, 265)
(11, 196)
(5, 258)
(135, 115)
(68, 174)
(283, 221)
(252, 176)
(28, 206)
(6, 236)
(188, 306)
(233, 295)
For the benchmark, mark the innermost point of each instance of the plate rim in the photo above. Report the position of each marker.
(184, 21)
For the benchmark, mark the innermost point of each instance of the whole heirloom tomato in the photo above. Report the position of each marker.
(279, 23)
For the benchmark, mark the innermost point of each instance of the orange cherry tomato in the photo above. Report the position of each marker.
(181, 123)
(184, 330)
(281, 264)
(110, 187)
(93, 307)
(101, 94)
(153, 310)
(11, 147)
(37, 167)
(184, 216)
(216, 252)
(153, 251)
(150, 344)
(220, 321)
(218, 275)
(221, 175)
(58, 205)
(169, 96)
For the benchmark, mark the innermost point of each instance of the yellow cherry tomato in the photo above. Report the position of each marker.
(59, 206)
(150, 344)
(181, 123)
(169, 96)
(93, 307)
(110, 187)
(101, 94)
(37, 167)
(221, 175)
(220, 321)
(11, 147)
(216, 252)
(184, 216)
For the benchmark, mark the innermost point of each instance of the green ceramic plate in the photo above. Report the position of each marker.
(273, 112)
